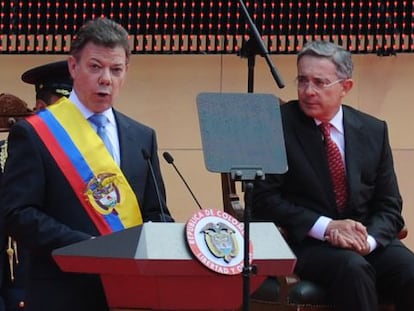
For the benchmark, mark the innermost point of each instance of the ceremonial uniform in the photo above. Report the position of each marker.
(51, 82)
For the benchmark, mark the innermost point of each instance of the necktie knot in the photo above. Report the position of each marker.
(326, 130)
(99, 120)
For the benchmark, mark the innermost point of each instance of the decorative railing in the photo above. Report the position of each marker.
(211, 26)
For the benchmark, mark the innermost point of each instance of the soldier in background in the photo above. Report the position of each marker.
(51, 81)
(11, 289)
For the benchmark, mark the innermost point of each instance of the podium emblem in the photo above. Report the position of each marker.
(216, 240)
(221, 240)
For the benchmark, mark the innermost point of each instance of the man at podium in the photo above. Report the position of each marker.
(80, 169)
(339, 201)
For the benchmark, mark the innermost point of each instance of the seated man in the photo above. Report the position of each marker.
(339, 200)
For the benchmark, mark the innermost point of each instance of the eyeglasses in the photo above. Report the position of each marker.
(317, 84)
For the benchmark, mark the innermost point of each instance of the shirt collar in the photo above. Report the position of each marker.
(86, 112)
(336, 121)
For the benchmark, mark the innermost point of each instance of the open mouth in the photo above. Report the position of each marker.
(103, 94)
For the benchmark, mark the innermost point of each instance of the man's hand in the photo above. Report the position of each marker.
(348, 234)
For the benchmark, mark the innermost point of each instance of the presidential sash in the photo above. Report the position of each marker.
(81, 155)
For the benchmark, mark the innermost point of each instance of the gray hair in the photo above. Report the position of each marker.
(340, 57)
(103, 32)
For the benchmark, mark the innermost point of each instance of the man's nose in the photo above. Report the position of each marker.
(105, 77)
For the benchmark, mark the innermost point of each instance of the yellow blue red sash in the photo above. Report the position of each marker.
(96, 179)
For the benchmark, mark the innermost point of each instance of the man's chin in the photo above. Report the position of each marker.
(312, 111)
(104, 100)
(100, 105)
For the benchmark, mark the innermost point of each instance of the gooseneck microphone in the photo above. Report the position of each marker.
(168, 157)
(147, 158)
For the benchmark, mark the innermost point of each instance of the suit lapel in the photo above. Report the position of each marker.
(310, 140)
(125, 139)
(307, 143)
(355, 140)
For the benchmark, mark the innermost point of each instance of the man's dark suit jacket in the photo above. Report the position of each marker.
(43, 213)
(296, 199)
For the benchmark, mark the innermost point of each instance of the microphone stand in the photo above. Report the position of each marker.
(147, 158)
(252, 47)
(256, 47)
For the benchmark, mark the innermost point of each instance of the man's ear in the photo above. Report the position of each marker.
(40, 104)
(72, 66)
(347, 86)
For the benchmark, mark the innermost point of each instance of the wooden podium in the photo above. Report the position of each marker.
(151, 267)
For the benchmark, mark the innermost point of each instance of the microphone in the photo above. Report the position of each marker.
(147, 158)
(168, 157)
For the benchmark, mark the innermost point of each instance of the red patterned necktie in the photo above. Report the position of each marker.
(336, 167)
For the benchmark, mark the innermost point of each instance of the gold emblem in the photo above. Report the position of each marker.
(221, 241)
(103, 193)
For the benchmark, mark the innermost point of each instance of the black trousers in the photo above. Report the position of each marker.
(356, 282)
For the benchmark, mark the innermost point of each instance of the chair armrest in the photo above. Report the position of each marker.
(403, 233)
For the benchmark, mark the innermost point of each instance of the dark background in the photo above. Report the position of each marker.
(211, 26)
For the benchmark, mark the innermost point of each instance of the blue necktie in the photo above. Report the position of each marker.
(100, 122)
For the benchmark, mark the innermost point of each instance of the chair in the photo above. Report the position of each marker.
(283, 293)
(12, 108)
